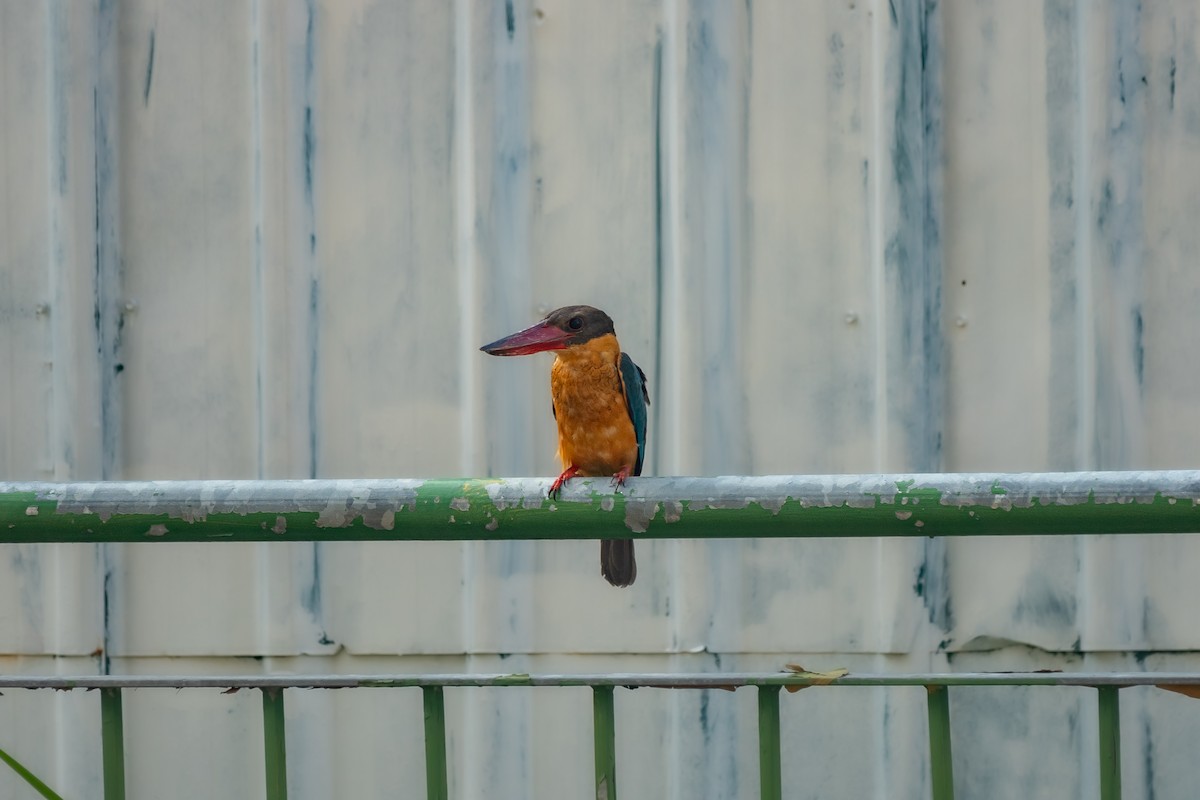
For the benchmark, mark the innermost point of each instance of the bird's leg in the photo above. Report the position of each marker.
(618, 478)
(567, 474)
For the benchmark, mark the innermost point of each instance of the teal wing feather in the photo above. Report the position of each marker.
(637, 397)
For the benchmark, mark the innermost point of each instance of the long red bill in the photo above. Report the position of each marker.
(534, 339)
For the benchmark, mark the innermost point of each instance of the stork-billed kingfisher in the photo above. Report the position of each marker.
(598, 398)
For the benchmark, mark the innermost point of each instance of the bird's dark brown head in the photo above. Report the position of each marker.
(562, 328)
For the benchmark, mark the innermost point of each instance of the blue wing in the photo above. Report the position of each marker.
(637, 397)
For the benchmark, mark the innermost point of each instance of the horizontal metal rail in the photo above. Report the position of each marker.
(639, 680)
(650, 508)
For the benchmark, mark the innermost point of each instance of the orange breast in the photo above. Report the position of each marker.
(595, 434)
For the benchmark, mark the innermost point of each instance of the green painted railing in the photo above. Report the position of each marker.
(647, 508)
(768, 686)
(782, 506)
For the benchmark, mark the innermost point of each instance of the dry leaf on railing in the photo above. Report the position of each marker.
(815, 678)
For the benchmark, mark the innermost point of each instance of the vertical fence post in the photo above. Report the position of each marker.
(437, 786)
(941, 762)
(112, 737)
(274, 742)
(1110, 742)
(604, 724)
(770, 764)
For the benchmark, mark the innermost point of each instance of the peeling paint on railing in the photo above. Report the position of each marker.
(772, 506)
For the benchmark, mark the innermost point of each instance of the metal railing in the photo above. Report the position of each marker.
(786, 506)
(768, 685)
(647, 508)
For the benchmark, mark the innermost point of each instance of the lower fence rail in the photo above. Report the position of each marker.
(603, 686)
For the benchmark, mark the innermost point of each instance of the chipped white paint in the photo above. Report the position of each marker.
(639, 513)
(338, 503)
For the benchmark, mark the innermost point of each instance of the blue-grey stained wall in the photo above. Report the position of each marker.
(265, 238)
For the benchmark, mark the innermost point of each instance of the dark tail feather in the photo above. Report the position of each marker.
(616, 561)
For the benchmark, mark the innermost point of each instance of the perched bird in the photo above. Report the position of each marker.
(599, 398)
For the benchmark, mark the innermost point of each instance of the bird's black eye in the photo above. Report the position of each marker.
(576, 323)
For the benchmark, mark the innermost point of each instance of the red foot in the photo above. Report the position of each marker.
(619, 478)
(556, 487)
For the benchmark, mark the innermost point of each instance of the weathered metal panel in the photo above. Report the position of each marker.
(1170, 337)
(24, 308)
(1016, 300)
(836, 272)
(185, 106)
(1140, 255)
(186, 174)
(388, 259)
(1049, 273)
(46, 594)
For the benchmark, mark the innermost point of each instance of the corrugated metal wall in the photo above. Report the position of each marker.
(264, 238)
